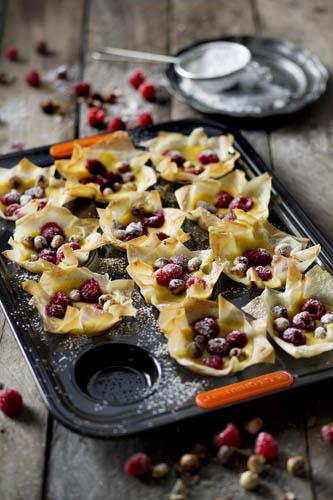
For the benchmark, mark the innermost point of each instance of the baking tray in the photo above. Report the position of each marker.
(281, 79)
(123, 382)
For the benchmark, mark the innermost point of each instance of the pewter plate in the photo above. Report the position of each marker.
(280, 79)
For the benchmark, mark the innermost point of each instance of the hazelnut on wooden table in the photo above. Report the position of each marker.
(249, 480)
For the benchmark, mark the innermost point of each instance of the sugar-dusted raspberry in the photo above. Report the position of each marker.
(32, 77)
(147, 91)
(230, 436)
(264, 273)
(61, 299)
(82, 89)
(10, 402)
(42, 203)
(180, 260)
(50, 230)
(258, 257)
(207, 326)
(155, 219)
(215, 362)
(12, 210)
(242, 202)
(195, 280)
(96, 118)
(167, 273)
(95, 167)
(136, 78)
(327, 433)
(266, 445)
(12, 54)
(49, 255)
(55, 311)
(206, 157)
(293, 336)
(137, 465)
(303, 321)
(314, 307)
(161, 235)
(90, 291)
(236, 338)
(218, 346)
(223, 200)
(116, 123)
(35, 192)
(144, 120)
(175, 156)
(10, 198)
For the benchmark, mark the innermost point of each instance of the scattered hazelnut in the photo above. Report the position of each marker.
(296, 465)
(256, 463)
(189, 462)
(281, 324)
(283, 249)
(225, 454)
(241, 260)
(75, 295)
(28, 242)
(57, 241)
(117, 186)
(177, 286)
(239, 270)
(320, 332)
(279, 312)
(194, 350)
(160, 470)
(194, 264)
(51, 107)
(62, 73)
(107, 191)
(103, 298)
(42, 48)
(249, 480)
(254, 425)
(161, 262)
(40, 242)
(238, 353)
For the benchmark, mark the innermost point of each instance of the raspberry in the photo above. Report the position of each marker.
(207, 326)
(223, 200)
(10, 198)
(213, 362)
(32, 78)
(116, 124)
(258, 257)
(96, 118)
(61, 299)
(55, 311)
(180, 260)
(87, 180)
(303, 321)
(218, 346)
(236, 339)
(147, 91)
(175, 156)
(10, 402)
(137, 465)
(136, 78)
(243, 202)
(155, 219)
(266, 445)
(12, 54)
(35, 192)
(90, 291)
(82, 89)
(12, 210)
(49, 255)
(95, 167)
(230, 436)
(264, 273)
(314, 307)
(293, 336)
(60, 251)
(42, 203)
(327, 433)
(144, 120)
(195, 280)
(230, 215)
(161, 236)
(167, 273)
(51, 229)
(206, 157)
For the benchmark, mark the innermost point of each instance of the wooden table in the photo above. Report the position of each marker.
(38, 457)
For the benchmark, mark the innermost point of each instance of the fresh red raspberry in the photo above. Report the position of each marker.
(48, 254)
(32, 77)
(243, 202)
(155, 219)
(42, 203)
(10, 402)
(236, 339)
(175, 156)
(137, 465)
(35, 192)
(293, 336)
(162, 236)
(60, 250)
(136, 78)
(144, 120)
(303, 321)
(223, 200)
(258, 257)
(55, 311)
(206, 157)
(314, 307)
(10, 198)
(327, 433)
(207, 326)
(82, 89)
(213, 362)
(96, 118)
(117, 123)
(13, 210)
(95, 167)
(264, 273)
(230, 436)
(90, 291)
(147, 91)
(51, 229)
(266, 445)
(61, 299)
(12, 54)
(218, 346)
(195, 280)
(167, 273)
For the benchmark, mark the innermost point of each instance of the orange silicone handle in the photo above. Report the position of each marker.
(244, 390)
(65, 149)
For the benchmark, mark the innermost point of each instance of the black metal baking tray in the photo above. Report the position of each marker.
(123, 382)
(281, 79)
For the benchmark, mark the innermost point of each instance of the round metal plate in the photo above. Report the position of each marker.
(281, 79)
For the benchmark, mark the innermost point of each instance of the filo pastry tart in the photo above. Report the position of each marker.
(26, 187)
(258, 253)
(184, 158)
(109, 166)
(78, 301)
(167, 271)
(131, 215)
(53, 237)
(214, 338)
(300, 318)
(208, 201)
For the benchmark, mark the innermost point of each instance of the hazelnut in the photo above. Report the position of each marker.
(194, 350)
(281, 324)
(254, 425)
(138, 210)
(279, 312)
(134, 229)
(107, 191)
(296, 465)
(179, 491)
(225, 454)
(283, 249)
(28, 242)
(189, 462)
(24, 199)
(108, 304)
(40, 242)
(241, 260)
(256, 463)
(177, 286)
(103, 298)
(57, 241)
(117, 186)
(188, 164)
(327, 318)
(249, 480)
(238, 353)
(161, 262)
(120, 234)
(320, 332)
(160, 470)
(194, 264)
(239, 270)
(75, 295)
(33, 258)
(128, 177)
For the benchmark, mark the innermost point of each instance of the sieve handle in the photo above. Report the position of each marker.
(104, 53)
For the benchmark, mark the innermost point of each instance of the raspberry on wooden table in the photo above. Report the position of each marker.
(136, 78)
(96, 118)
(10, 402)
(116, 123)
(138, 465)
(266, 445)
(32, 78)
(144, 120)
(12, 54)
(147, 91)
(230, 436)
(327, 433)
(82, 88)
